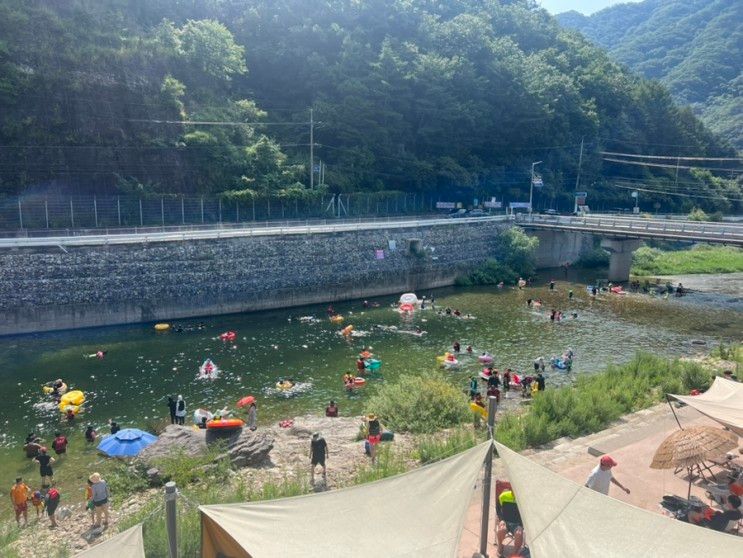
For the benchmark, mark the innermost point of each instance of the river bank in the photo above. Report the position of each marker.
(287, 473)
(700, 258)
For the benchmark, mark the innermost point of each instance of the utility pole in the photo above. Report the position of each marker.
(580, 164)
(312, 151)
(531, 186)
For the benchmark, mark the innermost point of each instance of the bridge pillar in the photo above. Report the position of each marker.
(620, 259)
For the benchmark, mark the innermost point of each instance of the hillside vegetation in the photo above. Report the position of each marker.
(695, 47)
(456, 97)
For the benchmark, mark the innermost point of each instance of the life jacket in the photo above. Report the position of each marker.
(53, 494)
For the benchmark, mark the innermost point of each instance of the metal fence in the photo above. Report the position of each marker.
(92, 212)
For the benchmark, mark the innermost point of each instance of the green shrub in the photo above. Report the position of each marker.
(515, 256)
(491, 272)
(185, 469)
(596, 401)
(598, 257)
(420, 404)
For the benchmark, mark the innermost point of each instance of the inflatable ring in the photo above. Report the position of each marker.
(162, 327)
(49, 389)
(336, 319)
(284, 385)
(228, 336)
(225, 424)
(372, 364)
(477, 409)
(359, 382)
(485, 359)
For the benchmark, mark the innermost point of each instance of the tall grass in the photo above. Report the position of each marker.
(389, 463)
(596, 401)
(420, 404)
(445, 444)
(702, 258)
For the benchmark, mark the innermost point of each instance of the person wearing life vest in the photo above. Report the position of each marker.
(51, 501)
(59, 445)
(19, 495)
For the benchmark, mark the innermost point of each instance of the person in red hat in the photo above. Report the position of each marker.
(601, 476)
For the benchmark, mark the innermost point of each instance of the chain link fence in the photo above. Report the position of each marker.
(41, 213)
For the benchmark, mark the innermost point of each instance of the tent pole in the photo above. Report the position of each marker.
(486, 482)
(170, 518)
(668, 399)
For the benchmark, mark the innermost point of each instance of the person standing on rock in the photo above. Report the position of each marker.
(252, 416)
(180, 410)
(171, 407)
(374, 435)
(51, 501)
(100, 499)
(318, 454)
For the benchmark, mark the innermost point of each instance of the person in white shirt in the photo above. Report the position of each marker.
(601, 476)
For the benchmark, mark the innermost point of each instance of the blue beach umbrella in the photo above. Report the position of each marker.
(126, 443)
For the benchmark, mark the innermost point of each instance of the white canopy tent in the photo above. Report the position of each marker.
(564, 519)
(722, 402)
(127, 544)
(416, 514)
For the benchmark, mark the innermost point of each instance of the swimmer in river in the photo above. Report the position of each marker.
(457, 313)
(360, 365)
(528, 302)
(456, 346)
(98, 354)
(469, 349)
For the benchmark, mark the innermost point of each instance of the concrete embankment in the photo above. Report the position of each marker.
(45, 288)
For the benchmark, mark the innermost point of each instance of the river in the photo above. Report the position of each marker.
(142, 367)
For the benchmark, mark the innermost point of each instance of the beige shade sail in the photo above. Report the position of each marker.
(563, 519)
(416, 514)
(127, 544)
(693, 445)
(722, 402)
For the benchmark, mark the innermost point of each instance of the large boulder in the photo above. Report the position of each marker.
(249, 448)
(245, 447)
(183, 438)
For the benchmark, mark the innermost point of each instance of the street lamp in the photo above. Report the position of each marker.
(531, 186)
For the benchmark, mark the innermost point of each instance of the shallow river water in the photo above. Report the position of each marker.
(142, 367)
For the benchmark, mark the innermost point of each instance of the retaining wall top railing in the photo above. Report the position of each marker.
(636, 227)
(272, 228)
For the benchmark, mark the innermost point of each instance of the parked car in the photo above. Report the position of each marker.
(478, 213)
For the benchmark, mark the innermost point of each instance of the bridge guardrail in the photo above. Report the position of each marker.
(267, 229)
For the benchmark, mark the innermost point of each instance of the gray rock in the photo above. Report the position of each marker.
(153, 476)
(244, 447)
(250, 448)
(174, 438)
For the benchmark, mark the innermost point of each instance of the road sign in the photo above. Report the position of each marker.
(519, 205)
(445, 205)
(493, 204)
(635, 193)
(537, 182)
(581, 194)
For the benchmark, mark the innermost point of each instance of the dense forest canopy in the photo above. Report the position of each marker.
(695, 47)
(457, 97)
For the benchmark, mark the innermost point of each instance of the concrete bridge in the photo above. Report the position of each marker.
(621, 235)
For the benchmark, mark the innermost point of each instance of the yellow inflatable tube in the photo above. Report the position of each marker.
(477, 409)
(162, 327)
(71, 400)
(336, 319)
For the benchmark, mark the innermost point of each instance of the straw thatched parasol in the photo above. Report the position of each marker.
(689, 447)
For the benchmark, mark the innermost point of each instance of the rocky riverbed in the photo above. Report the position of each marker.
(278, 453)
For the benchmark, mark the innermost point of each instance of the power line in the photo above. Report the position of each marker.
(679, 194)
(661, 165)
(674, 157)
(216, 122)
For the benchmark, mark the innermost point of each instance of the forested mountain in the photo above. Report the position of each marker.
(456, 96)
(695, 47)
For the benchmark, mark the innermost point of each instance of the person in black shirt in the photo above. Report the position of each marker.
(720, 520)
(494, 380)
(318, 455)
(114, 427)
(171, 407)
(45, 467)
(540, 381)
